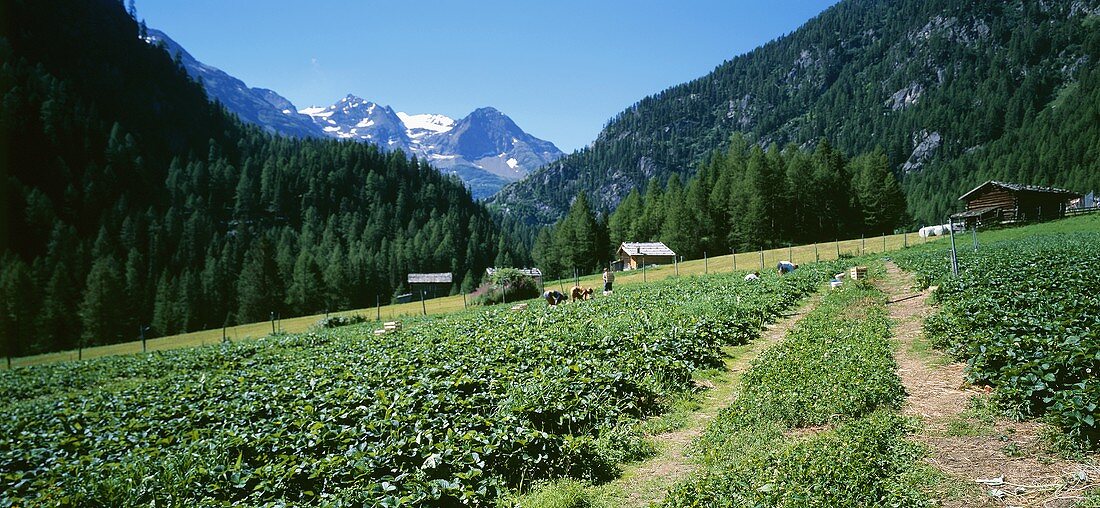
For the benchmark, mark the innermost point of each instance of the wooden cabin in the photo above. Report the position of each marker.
(996, 202)
(634, 255)
(431, 284)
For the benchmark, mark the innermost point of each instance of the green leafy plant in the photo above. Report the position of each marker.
(449, 410)
(507, 285)
(1025, 316)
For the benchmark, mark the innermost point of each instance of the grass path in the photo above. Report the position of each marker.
(986, 460)
(646, 483)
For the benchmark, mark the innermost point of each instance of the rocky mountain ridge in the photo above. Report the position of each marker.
(486, 149)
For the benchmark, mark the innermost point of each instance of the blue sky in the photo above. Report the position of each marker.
(560, 69)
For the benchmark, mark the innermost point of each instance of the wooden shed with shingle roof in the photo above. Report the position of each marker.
(634, 255)
(995, 202)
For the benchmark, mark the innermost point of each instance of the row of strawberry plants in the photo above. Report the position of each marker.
(1024, 314)
(448, 411)
(816, 421)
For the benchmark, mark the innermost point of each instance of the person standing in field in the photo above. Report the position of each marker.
(608, 280)
(785, 267)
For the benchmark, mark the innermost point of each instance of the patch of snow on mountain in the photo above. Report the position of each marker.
(512, 163)
(316, 111)
(422, 125)
(366, 122)
(332, 129)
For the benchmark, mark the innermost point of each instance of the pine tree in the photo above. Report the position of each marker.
(304, 295)
(259, 288)
(101, 309)
(621, 225)
(649, 228)
(337, 281)
(579, 234)
(16, 308)
(545, 253)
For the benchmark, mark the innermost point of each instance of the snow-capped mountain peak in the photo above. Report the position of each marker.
(356, 118)
(485, 148)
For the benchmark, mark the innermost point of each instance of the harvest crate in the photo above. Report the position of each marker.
(392, 326)
(519, 306)
(858, 272)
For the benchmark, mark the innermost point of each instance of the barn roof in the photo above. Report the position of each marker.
(1018, 187)
(978, 212)
(530, 272)
(430, 278)
(646, 249)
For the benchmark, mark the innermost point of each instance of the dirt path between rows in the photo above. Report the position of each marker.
(647, 482)
(990, 461)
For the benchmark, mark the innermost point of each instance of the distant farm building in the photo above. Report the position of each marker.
(633, 255)
(432, 284)
(995, 202)
(534, 273)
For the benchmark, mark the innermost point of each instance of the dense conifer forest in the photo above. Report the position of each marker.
(747, 198)
(952, 93)
(130, 200)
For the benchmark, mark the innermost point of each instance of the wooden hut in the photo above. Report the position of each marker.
(634, 255)
(432, 284)
(996, 202)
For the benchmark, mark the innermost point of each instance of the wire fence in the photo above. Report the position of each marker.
(727, 262)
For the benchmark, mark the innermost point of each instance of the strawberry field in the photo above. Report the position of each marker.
(1024, 313)
(815, 423)
(453, 410)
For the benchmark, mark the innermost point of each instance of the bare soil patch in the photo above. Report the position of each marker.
(995, 462)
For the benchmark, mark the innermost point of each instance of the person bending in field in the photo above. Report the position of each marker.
(785, 267)
(608, 280)
(553, 297)
(580, 293)
(752, 276)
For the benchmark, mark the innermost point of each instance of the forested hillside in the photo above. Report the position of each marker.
(129, 200)
(744, 199)
(953, 93)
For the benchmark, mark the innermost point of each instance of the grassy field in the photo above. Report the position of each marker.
(745, 261)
